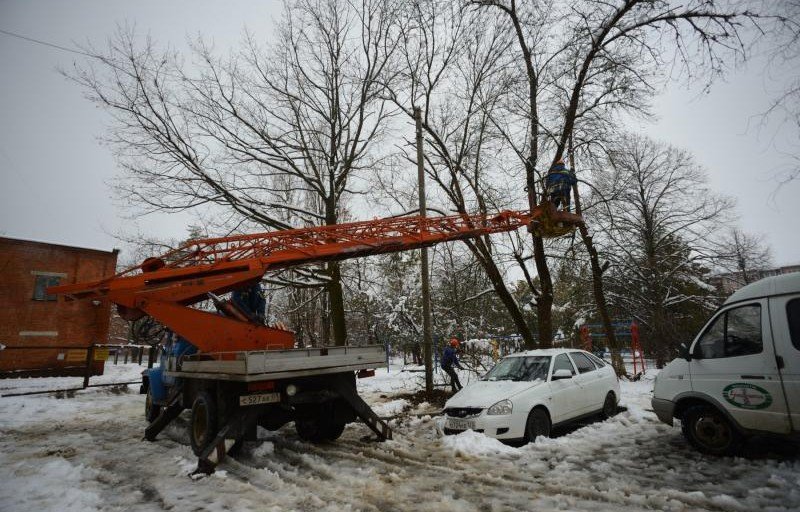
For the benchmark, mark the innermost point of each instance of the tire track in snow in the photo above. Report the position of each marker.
(628, 462)
(482, 484)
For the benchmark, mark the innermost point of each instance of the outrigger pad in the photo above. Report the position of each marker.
(347, 391)
(228, 435)
(171, 411)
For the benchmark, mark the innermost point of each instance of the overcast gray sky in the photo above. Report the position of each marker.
(54, 173)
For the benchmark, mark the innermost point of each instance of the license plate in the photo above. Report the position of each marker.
(459, 424)
(261, 398)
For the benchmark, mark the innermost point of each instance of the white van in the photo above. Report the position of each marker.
(741, 374)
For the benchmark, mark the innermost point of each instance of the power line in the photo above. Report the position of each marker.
(45, 43)
(85, 54)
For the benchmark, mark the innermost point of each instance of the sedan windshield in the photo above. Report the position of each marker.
(528, 368)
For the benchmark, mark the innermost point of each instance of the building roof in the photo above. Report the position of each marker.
(60, 246)
(776, 285)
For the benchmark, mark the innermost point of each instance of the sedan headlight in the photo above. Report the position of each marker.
(500, 408)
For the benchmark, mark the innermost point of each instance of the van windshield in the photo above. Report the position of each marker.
(527, 368)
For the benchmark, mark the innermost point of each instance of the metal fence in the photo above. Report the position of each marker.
(88, 356)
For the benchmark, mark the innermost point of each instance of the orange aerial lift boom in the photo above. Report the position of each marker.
(165, 287)
(245, 373)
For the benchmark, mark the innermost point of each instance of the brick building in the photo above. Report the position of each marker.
(729, 282)
(29, 318)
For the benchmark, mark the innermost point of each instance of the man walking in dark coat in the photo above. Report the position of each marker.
(450, 359)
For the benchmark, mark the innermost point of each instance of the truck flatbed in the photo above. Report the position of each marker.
(257, 365)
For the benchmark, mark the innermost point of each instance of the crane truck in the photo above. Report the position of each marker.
(233, 372)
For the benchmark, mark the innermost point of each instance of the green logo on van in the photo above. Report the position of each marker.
(747, 396)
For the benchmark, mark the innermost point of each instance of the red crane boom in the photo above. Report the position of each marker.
(164, 287)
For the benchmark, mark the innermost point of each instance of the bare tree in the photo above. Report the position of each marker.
(454, 70)
(744, 255)
(275, 137)
(658, 233)
(784, 48)
(584, 63)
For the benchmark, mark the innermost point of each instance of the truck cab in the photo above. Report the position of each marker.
(740, 376)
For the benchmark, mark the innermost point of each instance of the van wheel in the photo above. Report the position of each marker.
(610, 405)
(538, 424)
(203, 425)
(709, 431)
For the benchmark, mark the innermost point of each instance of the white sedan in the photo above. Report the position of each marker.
(528, 393)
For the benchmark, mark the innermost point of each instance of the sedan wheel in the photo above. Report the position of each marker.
(610, 405)
(538, 424)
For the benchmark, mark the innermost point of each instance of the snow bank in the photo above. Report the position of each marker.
(475, 443)
(391, 408)
(48, 484)
(86, 453)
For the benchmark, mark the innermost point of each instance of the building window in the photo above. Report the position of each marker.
(42, 283)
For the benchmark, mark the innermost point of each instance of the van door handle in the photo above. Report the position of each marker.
(755, 377)
(779, 362)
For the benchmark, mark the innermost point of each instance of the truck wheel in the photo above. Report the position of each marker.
(309, 429)
(203, 425)
(709, 431)
(151, 410)
(334, 431)
(318, 429)
(538, 424)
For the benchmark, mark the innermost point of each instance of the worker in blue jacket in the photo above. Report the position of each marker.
(558, 184)
(450, 359)
(251, 301)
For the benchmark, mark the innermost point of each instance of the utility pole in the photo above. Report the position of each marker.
(426, 291)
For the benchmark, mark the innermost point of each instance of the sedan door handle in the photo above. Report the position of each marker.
(754, 377)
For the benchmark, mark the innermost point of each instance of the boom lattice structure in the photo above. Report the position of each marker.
(164, 287)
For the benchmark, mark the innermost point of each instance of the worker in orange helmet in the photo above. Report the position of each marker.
(450, 359)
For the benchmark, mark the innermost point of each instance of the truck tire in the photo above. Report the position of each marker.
(151, 410)
(203, 424)
(334, 431)
(709, 431)
(308, 429)
(320, 428)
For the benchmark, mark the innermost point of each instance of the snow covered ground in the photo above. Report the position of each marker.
(86, 453)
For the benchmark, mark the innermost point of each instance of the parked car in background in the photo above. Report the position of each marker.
(741, 375)
(526, 394)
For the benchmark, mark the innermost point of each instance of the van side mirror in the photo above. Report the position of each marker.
(562, 374)
(683, 352)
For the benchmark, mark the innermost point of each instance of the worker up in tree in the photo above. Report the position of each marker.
(558, 185)
(450, 359)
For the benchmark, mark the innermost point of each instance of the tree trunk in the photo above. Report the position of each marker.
(335, 292)
(480, 251)
(325, 319)
(597, 281)
(544, 301)
(336, 297)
